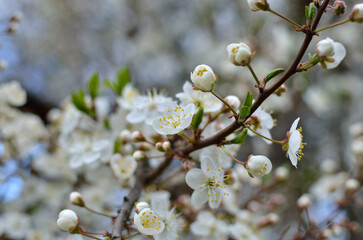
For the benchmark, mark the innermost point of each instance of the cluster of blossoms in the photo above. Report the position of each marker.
(151, 144)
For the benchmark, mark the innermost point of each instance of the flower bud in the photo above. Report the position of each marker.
(141, 206)
(13, 27)
(304, 201)
(239, 54)
(125, 136)
(139, 155)
(67, 220)
(145, 146)
(282, 173)
(16, 17)
(352, 185)
(357, 13)
(233, 101)
(269, 219)
(137, 136)
(339, 7)
(258, 165)
(76, 199)
(159, 146)
(325, 48)
(203, 77)
(256, 5)
(167, 146)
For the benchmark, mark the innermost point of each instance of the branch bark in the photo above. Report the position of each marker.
(143, 179)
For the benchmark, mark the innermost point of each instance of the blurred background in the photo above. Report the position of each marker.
(59, 44)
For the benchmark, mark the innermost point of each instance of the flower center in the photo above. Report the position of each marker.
(201, 71)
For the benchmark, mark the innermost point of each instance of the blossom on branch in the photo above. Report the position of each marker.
(239, 54)
(294, 143)
(148, 223)
(330, 52)
(203, 77)
(67, 220)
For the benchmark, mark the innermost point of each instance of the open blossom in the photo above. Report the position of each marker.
(208, 227)
(243, 231)
(67, 220)
(12, 93)
(357, 13)
(330, 52)
(148, 223)
(147, 108)
(261, 121)
(239, 54)
(203, 77)
(123, 166)
(208, 183)
(294, 144)
(258, 165)
(206, 100)
(174, 120)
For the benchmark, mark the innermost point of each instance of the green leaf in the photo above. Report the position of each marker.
(117, 145)
(246, 107)
(251, 175)
(240, 138)
(106, 124)
(310, 11)
(93, 85)
(273, 74)
(123, 77)
(197, 119)
(79, 103)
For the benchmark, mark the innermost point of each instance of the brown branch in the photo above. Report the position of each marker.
(143, 179)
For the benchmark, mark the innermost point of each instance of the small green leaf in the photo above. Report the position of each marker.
(251, 175)
(106, 124)
(310, 11)
(246, 107)
(109, 84)
(79, 103)
(240, 138)
(117, 145)
(273, 74)
(123, 77)
(197, 119)
(93, 85)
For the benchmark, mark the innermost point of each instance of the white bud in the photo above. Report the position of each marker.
(282, 173)
(357, 13)
(258, 165)
(357, 146)
(203, 77)
(256, 5)
(67, 220)
(137, 136)
(327, 233)
(352, 185)
(141, 206)
(159, 146)
(239, 54)
(304, 201)
(167, 146)
(328, 166)
(76, 199)
(233, 101)
(139, 155)
(325, 48)
(356, 129)
(125, 136)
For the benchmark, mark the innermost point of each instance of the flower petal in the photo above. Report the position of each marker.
(195, 178)
(199, 197)
(294, 124)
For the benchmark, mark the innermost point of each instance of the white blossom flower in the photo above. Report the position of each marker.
(12, 93)
(330, 52)
(147, 108)
(67, 220)
(128, 94)
(15, 225)
(123, 166)
(208, 227)
(233, 101)
(148, 223)
(242, 231)
(203, 77)
(174, 120)
(239, 54)
(357, 13)
(256, 5)
(262, 122)
(258, 165)
(294, 144)
(206, 100)
(208, 183)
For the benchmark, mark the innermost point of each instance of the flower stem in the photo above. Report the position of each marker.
(333, 25)
(253, 74)
(269, 139)
(99, 213)
(184, 135)
(224, 102)
(285, 18)
(130, 236)
(231, 156)
(90, 236)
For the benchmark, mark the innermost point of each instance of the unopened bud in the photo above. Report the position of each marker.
(269, 219)
(258, 165)
(327, 233)
(328, 166)
(339, 7)
(239, 54)
(203, 77)
(233, 101)
(16, 17)
(357, 13)
(304, 201)
(145, 146)
(256, 5)
(12, 28)
(67, 220)
(352, 185)
(281, 90)
(76, 199)
(125, 136)
(167, 146)
(137, 136)
(282, 173)
(139, 155)
(141, 206)
(159, 146)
